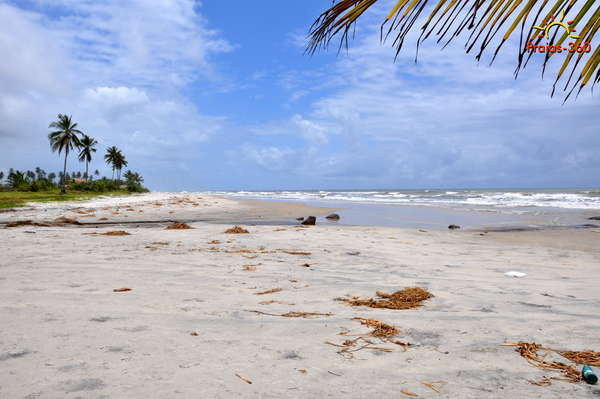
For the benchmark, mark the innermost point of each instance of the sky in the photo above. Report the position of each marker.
(216, 95)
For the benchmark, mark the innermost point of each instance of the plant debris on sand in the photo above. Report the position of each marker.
(61, 221)
(65, 220)
(122, 289)
(274, 290)
(408, 298)
(20, 223)
(384, 332)
(116, 233)
(237, 230)
(529, 351)
(179, 226)
(293, 314)
(300, 253)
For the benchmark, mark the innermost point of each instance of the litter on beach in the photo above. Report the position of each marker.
(515, 274)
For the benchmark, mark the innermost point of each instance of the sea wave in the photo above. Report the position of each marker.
(568, 199)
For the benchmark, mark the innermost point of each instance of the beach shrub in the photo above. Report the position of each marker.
(134, 182)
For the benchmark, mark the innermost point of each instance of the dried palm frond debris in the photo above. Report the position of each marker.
(122, 290)
(159, 243)
(237, 230)
(115, 233)
(179, 226)
(408, 298)
(249, 268)
(304, 315)
(384, 332)
(530, 352)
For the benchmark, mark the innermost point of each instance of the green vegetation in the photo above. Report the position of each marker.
(12, 199)
(18, 187)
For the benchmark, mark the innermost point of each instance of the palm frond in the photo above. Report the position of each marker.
(449, 19)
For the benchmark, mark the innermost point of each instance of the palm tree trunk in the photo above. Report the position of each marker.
(87, 177)
(113, 178)
(64, 182)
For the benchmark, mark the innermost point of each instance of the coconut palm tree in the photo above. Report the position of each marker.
(1, 176)
(111, 158)
(536, 22)
(65, 138)
(121, 163)
(87, 148)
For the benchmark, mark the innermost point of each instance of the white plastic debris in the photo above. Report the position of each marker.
(515, 274)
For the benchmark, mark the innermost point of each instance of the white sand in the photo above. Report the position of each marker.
(66, 334)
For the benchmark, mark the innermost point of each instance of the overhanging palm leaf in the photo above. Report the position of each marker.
(484, 19)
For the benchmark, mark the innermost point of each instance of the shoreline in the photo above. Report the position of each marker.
(285, 212)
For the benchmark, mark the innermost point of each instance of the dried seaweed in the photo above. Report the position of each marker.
(382, 331)
(237, 230)
(590, 358)
(122, 289)
(529, 351)
(249, 268)
(116, 233)
(272, 291)
(293, 314)
(179, 226)
(65, 220)
(408, 298)
(301, 253)
(544, 381)
(20, 223)
(159, 243)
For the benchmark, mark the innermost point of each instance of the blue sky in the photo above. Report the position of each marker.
(218, 95)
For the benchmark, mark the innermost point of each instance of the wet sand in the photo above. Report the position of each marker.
(185, 330)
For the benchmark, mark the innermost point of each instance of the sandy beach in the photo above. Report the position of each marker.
(211, 315)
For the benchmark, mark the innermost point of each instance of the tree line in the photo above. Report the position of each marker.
(67, 138)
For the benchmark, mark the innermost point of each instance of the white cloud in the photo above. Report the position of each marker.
(118, 67)
(445, 121)
(271, 158)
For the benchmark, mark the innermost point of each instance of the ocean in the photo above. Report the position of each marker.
(487, 209)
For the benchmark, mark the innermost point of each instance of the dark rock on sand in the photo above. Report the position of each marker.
(300, 219)
(594, 218)
(310, 221)
(333, 217)
(454, 227)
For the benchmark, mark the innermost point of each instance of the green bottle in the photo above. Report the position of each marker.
(588, 375)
